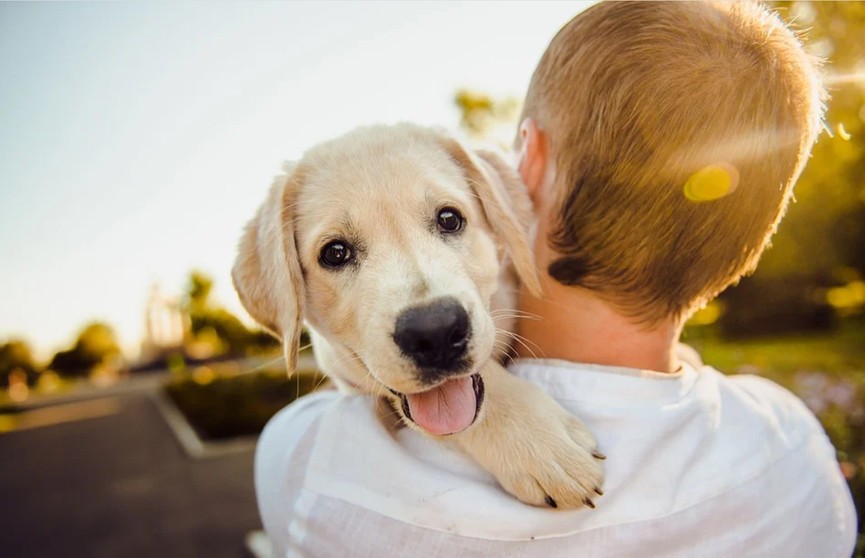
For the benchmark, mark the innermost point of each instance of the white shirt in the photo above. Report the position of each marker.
(698, 464)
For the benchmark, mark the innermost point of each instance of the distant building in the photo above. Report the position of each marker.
(166, 326)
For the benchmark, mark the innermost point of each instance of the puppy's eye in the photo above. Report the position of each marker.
(449, 220)
(336, 254)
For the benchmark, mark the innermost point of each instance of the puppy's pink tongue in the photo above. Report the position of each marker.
(446, 409)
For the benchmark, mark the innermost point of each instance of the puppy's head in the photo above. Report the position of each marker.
(388, 242)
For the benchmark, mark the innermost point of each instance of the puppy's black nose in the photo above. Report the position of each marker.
(434, 336)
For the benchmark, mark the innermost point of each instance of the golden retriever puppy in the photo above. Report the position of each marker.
(401, 250)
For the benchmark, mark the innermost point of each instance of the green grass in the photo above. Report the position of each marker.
(837, 353)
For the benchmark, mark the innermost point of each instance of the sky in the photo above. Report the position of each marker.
(136, 139)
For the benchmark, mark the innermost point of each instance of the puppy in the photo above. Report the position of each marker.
(402, 252)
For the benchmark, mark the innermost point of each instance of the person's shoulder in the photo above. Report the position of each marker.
(286, 431)
(287, 446)
(771, 401)
(780, 426)
(287, 428)
(780, 454)
(303, 411)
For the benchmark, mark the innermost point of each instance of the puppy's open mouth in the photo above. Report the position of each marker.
(448, 408)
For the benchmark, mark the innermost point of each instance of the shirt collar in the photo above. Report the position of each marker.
(575, 381)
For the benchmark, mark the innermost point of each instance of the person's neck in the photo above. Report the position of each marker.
(574, 324)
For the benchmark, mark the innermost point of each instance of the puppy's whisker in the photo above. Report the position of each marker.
(393, 413)
(320, 382)
(380, 390)
(514, 313)
(348, 359)
(264, 365)
(508, 317)
(505, 349)
(522, 341)
(517, 336)
(509, 289)
(509, 359)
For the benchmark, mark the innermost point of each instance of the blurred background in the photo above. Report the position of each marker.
(136, 141)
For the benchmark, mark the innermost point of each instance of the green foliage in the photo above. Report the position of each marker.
(486, 118)
(823, 233)
(198, 291)
(96, 345)
(774, 305)
(16, 355)
(230, 334)
(840, 353)
(215, 326)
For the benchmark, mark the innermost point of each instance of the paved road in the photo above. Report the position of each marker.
(117, 484)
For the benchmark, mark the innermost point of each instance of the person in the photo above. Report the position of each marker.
(659, 144)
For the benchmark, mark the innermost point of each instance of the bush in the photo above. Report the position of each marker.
(17, 357)
(96, 345)
(221, 407)
(771, 306)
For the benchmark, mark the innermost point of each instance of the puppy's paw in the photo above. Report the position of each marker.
(558, 466)
(535, 449)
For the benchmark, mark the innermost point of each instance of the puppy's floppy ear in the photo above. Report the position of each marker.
(267, 273)
(505, 203)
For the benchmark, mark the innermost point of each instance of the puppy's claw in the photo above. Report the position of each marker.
(589, 503)
(598, 455)
(550, 502)
(598, 491)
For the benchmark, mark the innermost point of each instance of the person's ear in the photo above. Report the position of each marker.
(533, 159)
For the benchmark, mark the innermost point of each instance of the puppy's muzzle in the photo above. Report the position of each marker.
(435, 337)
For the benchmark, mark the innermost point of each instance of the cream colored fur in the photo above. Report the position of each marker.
(380, 188)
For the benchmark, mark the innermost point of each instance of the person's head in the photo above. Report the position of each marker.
(665, 139)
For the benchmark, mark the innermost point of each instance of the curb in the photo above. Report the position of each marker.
(193, 446)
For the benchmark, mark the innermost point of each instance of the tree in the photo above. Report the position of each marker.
(213, 325)
(15, 355)
(96, 345)
(486, 118)
(825, 229)
(198, 291)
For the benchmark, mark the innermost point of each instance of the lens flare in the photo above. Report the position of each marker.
(844, 79)
(712, 182)
(842, 132)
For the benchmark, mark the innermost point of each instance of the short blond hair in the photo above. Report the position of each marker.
(637, 97)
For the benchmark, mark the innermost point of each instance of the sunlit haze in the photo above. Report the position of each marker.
(137, 139)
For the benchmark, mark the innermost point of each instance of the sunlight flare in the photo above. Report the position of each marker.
(712, 182)
(842, 132)
(843, 79)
